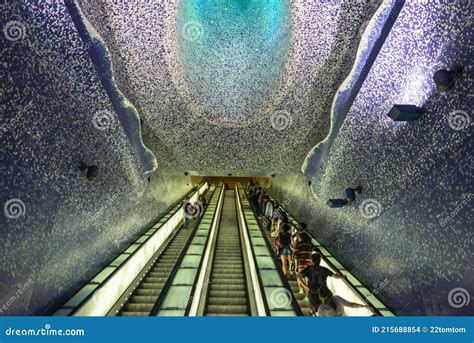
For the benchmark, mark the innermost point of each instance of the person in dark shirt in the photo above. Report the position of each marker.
(317, 276)
(284, 242)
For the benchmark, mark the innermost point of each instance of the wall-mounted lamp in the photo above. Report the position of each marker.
(229, 174)
(91, 171)
(445, 78)
(186, 173)
(405, 112)
(273, 175)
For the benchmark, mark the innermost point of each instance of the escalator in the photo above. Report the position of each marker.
(300, 298)
(227, 290)
(145, 295)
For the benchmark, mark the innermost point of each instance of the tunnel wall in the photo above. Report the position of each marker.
(57, 229)
(49, 255)
(408, 236)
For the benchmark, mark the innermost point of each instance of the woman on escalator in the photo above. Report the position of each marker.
(284, 245)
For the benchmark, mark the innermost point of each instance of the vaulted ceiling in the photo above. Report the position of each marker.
(240, 87)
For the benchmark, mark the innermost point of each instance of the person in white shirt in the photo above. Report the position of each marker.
(334, 305)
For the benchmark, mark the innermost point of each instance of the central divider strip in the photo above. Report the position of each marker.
(177, 294)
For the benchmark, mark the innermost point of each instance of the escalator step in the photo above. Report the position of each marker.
(227, 266)
(232, 300)
(163, 274)
(227, 309)
(142, 299)
(134, 313)
(227, 276)
(138, 307)
(226, 294)
(228, 281)
(227, 287)
(152, 285)
(147, 292)
(151, 279)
